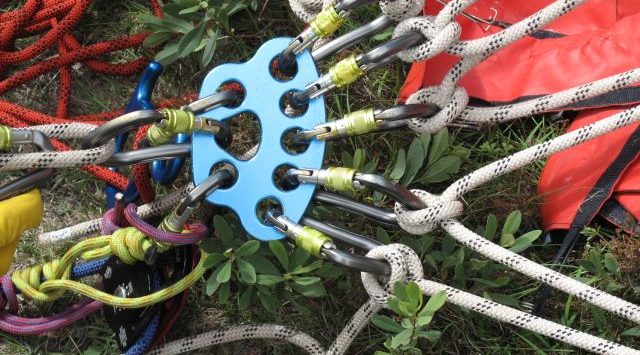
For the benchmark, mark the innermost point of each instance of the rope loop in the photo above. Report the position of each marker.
(28, 280)
(452, 108)
(10, 299)
(405, 267)
(399, 10)
(437, 40)
(427, 219)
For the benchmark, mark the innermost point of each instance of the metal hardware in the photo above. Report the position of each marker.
(340, 234)
(319, 244)
(366, 210)
(343, 179)
(367, 121)
(175, 221)
(36, 178)
(352, 38)
(349, 70)
(147, 155)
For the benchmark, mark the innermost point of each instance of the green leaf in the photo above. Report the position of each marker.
(280, 252)
(298, 258)
(263, 265)
(223, 229)
(382, 236)
(400, 166)
(415, 295)
(611, 263)
(525, 241)
(507, 240)
(305, 269)
(168, 55)
(496, 283)
(224, 292)
(491, 227)
(313, 290)
(225, 273)
(512, 224)
(248, 248)
(92, 351)
(190, 41)
(213, 259)
(441, 170)
(156, 39)
(400, 291)
(631, 332)
(430, 335)
(268, 280)
(387, 324)
(434, 303)
(439, 145)
(190, 10)
(247, 271)
(383, 35)
(304, 281)
(401, 339)
(268, 300)
(358, 158)
(209, 49)
(415, 160)
(245, 298)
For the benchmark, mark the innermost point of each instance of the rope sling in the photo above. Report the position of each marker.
(442, 34)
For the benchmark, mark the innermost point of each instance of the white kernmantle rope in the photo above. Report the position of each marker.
(405, 266)
(66, 159)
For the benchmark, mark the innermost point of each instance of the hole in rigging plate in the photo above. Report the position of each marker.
(246, 133)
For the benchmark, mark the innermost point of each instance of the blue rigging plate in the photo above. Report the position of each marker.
(263, 94)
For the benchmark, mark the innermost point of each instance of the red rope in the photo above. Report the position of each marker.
(54, 21)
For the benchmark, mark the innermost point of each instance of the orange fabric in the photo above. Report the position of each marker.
(569, 175)
(602, 40)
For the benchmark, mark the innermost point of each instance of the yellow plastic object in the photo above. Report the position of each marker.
(17, 215)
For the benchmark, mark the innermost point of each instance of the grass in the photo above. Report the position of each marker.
(74, 196)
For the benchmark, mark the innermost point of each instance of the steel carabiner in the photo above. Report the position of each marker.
(366, 121)
(175, 221)
(147, 155)
(135, 119)
(326, 23)
(343, 179)
(366, 210)
(352, 38)
(321, 245)
(34, 179)
(354, 67)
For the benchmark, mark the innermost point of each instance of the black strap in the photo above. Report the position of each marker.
(590, 207)
(620, 97)
(616, 214)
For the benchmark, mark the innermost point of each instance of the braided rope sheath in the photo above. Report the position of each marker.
(405, 266)
(92, 227)
(63, 159)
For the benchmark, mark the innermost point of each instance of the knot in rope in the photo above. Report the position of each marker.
(425, 220)
(28, 280)
(437, 39)
(128, 244)
(399, 10)
(451, 108)
(405, 267)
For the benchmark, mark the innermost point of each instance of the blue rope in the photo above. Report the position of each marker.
(87, 269)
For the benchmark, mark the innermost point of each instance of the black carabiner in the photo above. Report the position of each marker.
(135, 119)
(147, 155)
(389, 49)
(341, 234)
(396, 191)
(36, 178)
(372, 212)
(329, 250)
(352, 38)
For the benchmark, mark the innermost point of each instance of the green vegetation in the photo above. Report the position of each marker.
(272, 282)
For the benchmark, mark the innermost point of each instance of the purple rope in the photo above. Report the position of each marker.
(107, 223)
(38, 326)
(197, 231)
